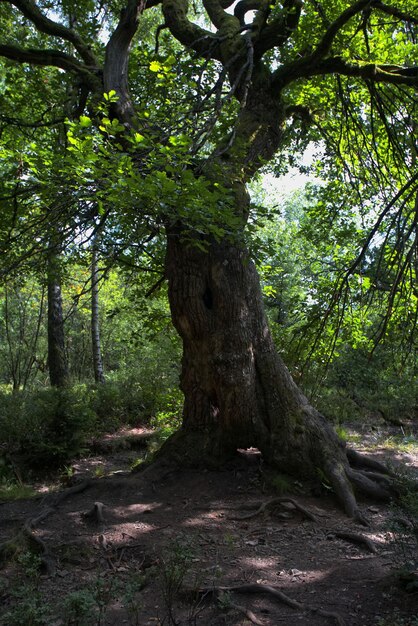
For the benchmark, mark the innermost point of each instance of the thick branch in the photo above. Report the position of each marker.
(324, 46)
(188, 33)
(278, 32)
(308, 67)
(216, 12)
(46, 57)
(115, 73)
(49, 27)
(405, 17)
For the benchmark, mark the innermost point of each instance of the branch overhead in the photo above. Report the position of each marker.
(45, 25)
(189, 34)
(278, 31)
(115, 73)
(46, 57)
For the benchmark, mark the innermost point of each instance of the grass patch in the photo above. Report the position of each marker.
(13, 491)
(403, 443)
(348, 436)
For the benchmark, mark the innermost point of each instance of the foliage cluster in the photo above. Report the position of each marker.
(336, 354)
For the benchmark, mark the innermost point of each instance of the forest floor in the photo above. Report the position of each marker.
(166, 546)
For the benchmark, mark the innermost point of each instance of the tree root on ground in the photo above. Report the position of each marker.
(357, 459)
(247, 612)
(346, 535)
(275, 593)
(354, 538)
(263, 506)
(26, 537)
(366, 475)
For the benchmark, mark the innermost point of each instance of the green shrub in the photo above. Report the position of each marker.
(118, 402)
(46, 428)
(79, 608)
(29, 610)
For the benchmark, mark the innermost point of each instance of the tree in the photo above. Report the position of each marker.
(95, 322)
(258, 72)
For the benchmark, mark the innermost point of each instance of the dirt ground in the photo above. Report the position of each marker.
(163, 536)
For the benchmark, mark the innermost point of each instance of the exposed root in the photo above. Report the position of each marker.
(363, 473)
(342, 487)
(355, 538)
(248, 614)
(366, 485)
(275, 593)
(357, 459)
(26, 537)
(95, 513)
(47, 560)
(274, 502)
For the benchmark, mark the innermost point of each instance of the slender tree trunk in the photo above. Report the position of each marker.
(57, 361)
(13, 362)
(95, 321)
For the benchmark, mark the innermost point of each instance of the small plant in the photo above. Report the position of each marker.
(396, 620)
(29, 610)
(229, 540)
(130, 598)
(99, 471)
(136, 463)
(280, 483)
(103, 592)
(346, 435)
(79, 608)
(30, 563)
(175, 564)
(225, 601)
(404, 525)
(167, 420)
(12, 490)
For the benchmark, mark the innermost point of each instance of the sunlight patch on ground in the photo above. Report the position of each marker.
(130, 511)
(284, 574)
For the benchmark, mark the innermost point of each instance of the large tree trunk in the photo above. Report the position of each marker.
(238, 392)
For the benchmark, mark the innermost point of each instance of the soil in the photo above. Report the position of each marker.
(165, 534)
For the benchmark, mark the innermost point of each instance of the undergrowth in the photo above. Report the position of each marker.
(44, 429)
